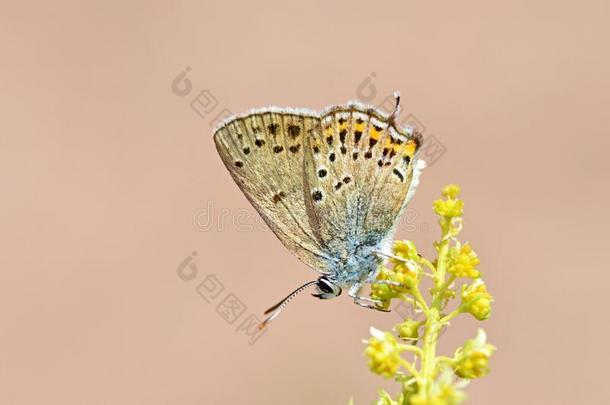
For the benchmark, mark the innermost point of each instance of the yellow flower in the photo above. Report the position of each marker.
(462, 262)
(405, 275)
(383, 293)
(383, 353)
(449, 208)
(405, 249)
(476, 300)
(472, 360)
(424, 377)
(451, 191)
(409, 330)
(444, 391)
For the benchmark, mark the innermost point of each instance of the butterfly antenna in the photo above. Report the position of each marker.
(277, 308)
(396, 107)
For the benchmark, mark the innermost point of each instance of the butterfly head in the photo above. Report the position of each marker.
(326, 289)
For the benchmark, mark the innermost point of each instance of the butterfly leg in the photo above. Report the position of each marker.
(365, 302)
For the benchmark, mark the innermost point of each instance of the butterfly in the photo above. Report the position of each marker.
(329, 184)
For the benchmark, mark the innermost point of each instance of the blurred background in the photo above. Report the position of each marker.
(131, 264)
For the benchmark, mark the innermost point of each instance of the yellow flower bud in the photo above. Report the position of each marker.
(404, 275)
(444, 391)
(451, 191)
(409, 330)
(473, 366)
(383, 293)
(449, 208)
(481, 309)
(476, 300)
(405, 249)
(383, 353)
(472, 360)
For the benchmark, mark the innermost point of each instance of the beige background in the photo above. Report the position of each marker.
(107, 179)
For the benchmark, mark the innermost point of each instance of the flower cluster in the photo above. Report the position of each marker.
(462, 262)
(476, 300)
(444, 391)
(383, 352)
(400, 277)
(451, 207)
(472, 359)
(429, 379)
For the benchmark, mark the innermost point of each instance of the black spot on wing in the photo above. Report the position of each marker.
(273, 128)
(278, 197)
(294, 130)
(399, 175)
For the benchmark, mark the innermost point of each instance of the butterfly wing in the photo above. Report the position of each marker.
(360, 172)
(263, 151)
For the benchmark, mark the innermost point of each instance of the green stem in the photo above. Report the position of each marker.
(428, 264)
(431, 328)
(410, 301)
(440, 295)
(414, 349)
(433, 324)
(409, 367)
(451, 315)
(442, 263)
(420, 300)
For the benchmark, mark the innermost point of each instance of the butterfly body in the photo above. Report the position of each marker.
(329, 184)
(357, 263)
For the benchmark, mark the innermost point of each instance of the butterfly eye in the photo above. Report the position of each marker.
(326, 286)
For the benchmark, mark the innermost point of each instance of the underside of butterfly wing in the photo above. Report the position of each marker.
(360, 171)
(263, 151)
